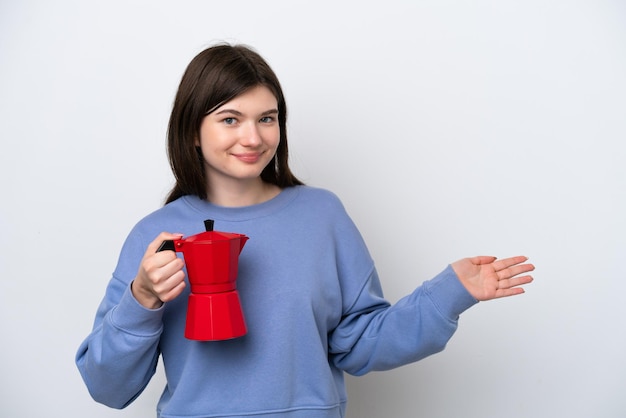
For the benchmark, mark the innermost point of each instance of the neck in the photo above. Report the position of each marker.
(242, 193)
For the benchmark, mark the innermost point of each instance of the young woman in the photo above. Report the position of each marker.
(313, 302)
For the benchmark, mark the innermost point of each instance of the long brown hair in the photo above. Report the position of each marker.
(215, 76)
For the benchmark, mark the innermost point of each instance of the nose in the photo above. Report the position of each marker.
(251, 135)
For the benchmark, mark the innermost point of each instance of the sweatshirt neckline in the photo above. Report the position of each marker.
(243, 213)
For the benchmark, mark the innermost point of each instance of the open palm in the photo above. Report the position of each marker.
(487, 278)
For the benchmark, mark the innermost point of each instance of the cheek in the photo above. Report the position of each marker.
(210, 140)
(275, 138)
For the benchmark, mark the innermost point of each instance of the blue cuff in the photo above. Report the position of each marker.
(448, 294)
(131, 317)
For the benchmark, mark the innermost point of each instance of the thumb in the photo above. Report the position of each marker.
(163, 236)
(482, 259)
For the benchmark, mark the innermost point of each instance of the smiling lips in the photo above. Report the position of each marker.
(248, 157)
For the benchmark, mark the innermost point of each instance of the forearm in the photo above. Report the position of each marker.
(415, 327)
(119, 357)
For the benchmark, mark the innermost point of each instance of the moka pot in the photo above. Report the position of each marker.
(212, 259)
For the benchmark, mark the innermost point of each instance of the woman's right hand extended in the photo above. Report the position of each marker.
(160, 277)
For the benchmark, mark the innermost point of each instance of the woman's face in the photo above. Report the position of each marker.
(239, 138)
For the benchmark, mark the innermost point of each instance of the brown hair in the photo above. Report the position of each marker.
(215, 76)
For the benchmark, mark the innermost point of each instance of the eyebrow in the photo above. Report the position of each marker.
(238, 113)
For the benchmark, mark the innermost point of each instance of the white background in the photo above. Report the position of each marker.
(448, 129)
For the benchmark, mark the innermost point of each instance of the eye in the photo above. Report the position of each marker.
(229, 121)
(267, 119)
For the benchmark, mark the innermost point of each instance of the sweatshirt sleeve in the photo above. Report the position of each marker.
(374, 335)
(119, 357)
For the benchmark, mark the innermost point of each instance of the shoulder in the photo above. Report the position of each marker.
(158, 215)
(318, 197)
(323, 207)
(172, 217)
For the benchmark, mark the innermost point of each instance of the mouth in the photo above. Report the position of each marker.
(249, 157)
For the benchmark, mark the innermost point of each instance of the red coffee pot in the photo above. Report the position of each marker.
(212, 259)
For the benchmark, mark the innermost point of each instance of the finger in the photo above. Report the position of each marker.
(482, 259)
(514, 282)
(163, 236)
(162, 264)
(163, 282)
(515, 270)
(173, 292)
(508, 262)
(502, 293)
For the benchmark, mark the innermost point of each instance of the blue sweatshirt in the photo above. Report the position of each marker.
(313, 305)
